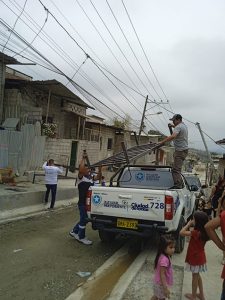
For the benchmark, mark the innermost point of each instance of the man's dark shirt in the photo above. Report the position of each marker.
(83, 186)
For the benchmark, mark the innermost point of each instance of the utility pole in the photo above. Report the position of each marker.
(142, 119)
(207, 151)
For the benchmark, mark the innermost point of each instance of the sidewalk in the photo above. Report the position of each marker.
(212, 282)
(27, 198)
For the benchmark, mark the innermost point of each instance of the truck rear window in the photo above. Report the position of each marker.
(146, 178)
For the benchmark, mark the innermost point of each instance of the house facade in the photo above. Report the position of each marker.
(49, 121)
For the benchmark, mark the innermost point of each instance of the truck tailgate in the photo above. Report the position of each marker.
(128, 203)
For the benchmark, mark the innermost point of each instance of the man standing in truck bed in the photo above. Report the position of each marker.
(180, 140)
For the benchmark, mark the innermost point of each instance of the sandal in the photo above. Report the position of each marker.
(199, 297)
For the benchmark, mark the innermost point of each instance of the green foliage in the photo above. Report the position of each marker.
(49, 129)
(122, 123)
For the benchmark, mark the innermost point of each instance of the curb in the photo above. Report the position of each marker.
(125, 280)
(32, 210)
(79, 293)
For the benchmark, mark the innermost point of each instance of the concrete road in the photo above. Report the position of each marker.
(39, 260)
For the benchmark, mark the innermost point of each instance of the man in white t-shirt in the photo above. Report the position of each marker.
(51, 178)
(180, 141)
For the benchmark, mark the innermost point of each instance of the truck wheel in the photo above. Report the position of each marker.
(106, 236)
(180, 240)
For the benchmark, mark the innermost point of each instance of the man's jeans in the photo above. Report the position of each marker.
(223, 291)
(53, 189)
(80, 227)
(179, 157)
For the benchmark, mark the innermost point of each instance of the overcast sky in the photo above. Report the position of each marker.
(183, 40)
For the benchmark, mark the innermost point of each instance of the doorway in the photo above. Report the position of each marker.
(73, 156)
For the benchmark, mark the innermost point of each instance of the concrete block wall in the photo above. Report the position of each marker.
(12, 97)
(16, 105)
(37, 99)
(58, 149)
(107, 133)
(92, 149)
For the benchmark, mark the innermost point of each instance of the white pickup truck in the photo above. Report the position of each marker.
(141, 201)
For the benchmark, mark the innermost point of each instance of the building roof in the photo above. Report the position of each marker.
(8, 60)
(221, 142)
(11, 73)
(94, 119)
(56, 87)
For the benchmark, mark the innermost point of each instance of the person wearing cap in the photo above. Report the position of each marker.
(180, 140)
(85, 181)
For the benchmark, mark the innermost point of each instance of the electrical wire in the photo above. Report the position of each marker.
(59, 72)
(78, 69)
(76, 85)
(125, 56)
(15, 25)
(57, 22)
(51, 40)
(129, 44)
(110, 50)
(143, 49)
(84, 76)
(120, 116)
(40, 30)
(144, 52)
(81, 49)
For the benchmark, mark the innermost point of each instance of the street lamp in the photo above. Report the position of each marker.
(157, 113)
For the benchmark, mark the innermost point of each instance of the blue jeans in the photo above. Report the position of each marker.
(223, 291)
(53, 189)
(80, 227)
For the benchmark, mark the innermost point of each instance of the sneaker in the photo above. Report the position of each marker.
(50, 209)
(85, 241)
(73, 234)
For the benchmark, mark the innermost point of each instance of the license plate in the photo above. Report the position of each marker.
(131, 224)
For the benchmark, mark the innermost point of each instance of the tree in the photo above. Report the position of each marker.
(122, 123)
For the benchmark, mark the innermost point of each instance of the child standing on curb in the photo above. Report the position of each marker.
(221, 208)
(163, 277)
(211, 227)
(195, 258)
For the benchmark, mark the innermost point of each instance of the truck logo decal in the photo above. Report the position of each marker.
(139, 176)
(146, 207)
(115, 204)
(152, 177)
(96, 199)
(142, 207)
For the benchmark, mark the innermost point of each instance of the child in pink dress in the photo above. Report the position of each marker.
(163, 277)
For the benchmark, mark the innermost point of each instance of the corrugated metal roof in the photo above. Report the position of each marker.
(132, 153)
(8, 60)
(58, 89)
